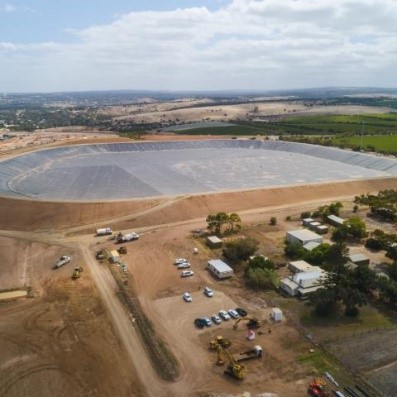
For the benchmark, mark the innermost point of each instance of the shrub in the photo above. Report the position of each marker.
(262, 278)
(305, 214)
(373, 244)
(273, 221)
(240, 249)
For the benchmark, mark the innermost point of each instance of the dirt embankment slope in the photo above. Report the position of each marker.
(36, 215)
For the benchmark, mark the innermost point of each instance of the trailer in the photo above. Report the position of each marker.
(124, 238)
(256, 352)
(62, 261)
(105, 231)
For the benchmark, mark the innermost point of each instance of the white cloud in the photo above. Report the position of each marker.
(9, 8)
(262, 44)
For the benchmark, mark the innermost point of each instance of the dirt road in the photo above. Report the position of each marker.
(124, 326)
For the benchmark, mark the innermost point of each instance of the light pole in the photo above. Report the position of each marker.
(362, 134)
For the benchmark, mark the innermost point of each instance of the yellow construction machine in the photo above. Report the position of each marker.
(252, 323)
(77, 272)
(220, 341)
(234, 369)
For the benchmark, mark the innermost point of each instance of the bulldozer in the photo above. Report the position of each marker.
(77, 272)
(252, 322)
(234, 369)
(317, 388)
(220, 341)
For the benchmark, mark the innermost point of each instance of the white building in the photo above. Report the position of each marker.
(301, 267)
(303, 236)
(301, 284)
(219, 268)
(214, 242)
(310, 246)
(306, 221)
(335, 220)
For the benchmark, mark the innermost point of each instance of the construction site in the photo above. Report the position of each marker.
(89, 235)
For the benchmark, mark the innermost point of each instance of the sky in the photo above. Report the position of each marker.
(48, 45)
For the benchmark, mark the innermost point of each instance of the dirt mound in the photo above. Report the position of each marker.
(34, 215)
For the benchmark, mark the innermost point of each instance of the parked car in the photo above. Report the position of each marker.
(179, 261)
(187, 297)
(208, 292)
(241, 312)
(199, 323)
(216, 319)
(184, 265)
(208, 322)
(224, 314)
(233, 313)
(187, 273)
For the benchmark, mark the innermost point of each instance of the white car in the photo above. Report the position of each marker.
(216, 319)
(233, 313)
(179, 261)
(187, 297)
(208, 322)
(208, 292)
(224, 314)
(187, 273)
(184, 265)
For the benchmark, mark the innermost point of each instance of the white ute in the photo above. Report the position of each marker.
(124, 238)
(63, 260)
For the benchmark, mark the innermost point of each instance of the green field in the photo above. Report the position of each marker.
(381, 143)
(382, 123)
(228, 130)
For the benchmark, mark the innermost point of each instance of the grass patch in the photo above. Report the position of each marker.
(381, 143)
(320, 361)
(226, 130)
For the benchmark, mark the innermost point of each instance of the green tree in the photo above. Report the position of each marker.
(393, 271)
(340, 234)
(318, 255)
(215, 222)
(273, 221)
(261, 263)
(234, 221)
(262, 278)
(294, 251)
(240, 249)
(356, 227)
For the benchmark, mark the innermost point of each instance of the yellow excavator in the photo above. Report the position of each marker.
(252, 323)
(220, 341)
(77, 272)
(234, 369)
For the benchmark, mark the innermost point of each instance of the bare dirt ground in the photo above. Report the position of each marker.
(75, 338)
(154, 114)
(60, 342)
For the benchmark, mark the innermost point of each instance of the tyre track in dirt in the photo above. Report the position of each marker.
(122, 323)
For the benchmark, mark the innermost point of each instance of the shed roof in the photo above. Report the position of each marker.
(289, 283)
(302, 266)
(311, 245)
(114, 253)
(358, 257)
(335, 218)
(304, 234)
(214, 239)
(220, 266)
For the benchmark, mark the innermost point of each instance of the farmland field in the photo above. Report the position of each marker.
(381, 143)
(382, 123)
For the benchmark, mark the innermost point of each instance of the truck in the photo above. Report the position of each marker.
(105, 231)
(256, 352)
(124, 238)
(62, 261)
